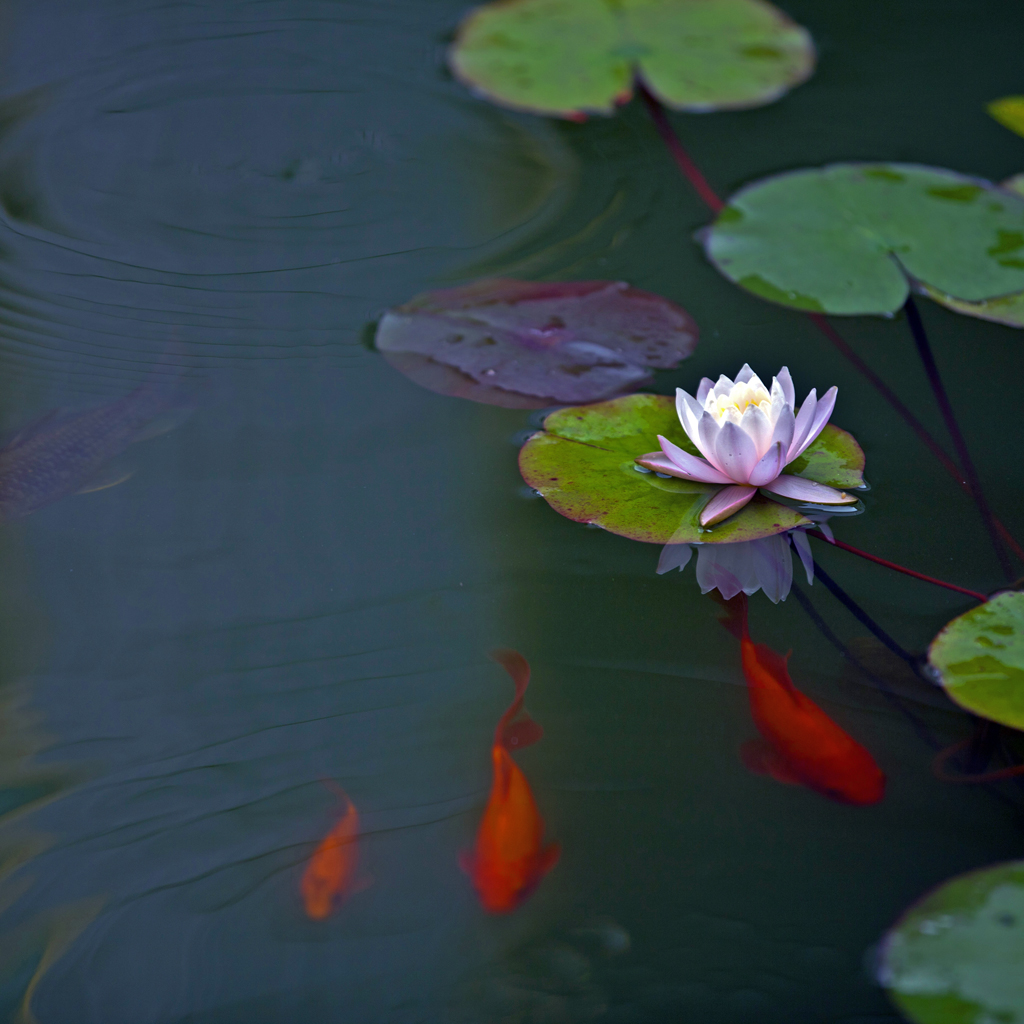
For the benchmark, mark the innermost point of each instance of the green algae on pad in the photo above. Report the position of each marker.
(582, 464)
(957, 956)
(854, 238)
(569, 58)
(979, 658)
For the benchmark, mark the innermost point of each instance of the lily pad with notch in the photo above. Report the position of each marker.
(527, 344)
(955, 956)
(979, 659)
(582, 463)
(854, 238)
(570, 58)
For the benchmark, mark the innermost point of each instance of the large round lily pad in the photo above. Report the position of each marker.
(979, 658)
(569, 58)
(528, 344)
(582, 464)
(851, 238)
(957, 956)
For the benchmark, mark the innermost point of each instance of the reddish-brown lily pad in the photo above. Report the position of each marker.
(526, 344)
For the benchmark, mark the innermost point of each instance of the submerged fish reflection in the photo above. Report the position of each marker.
(69, 452)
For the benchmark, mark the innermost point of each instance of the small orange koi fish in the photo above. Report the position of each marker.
(330, 875)
(509, 860)
(801, 745)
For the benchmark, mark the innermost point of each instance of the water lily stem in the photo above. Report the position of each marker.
(862, 616)
(899, 568)
(973, 481)
(695, 177)
(683, 160)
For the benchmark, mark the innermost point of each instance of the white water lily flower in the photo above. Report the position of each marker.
(751, 565)
(747, 434)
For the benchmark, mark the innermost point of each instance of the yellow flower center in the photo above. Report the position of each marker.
(741, 396)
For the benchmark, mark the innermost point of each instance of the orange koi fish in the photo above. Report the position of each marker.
(330, 874)
(801, 745)
(509, 860)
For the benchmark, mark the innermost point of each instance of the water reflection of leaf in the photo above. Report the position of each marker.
(524, 344)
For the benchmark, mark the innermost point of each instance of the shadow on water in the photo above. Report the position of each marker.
(302, 580)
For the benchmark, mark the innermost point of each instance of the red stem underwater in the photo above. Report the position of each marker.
(898, 568)
(693, 175)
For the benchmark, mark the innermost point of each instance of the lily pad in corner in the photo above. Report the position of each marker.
(568, 58)
(582, 464)
(526, 344)
(1009, 112)
(852, 238)
(979, 658)
(955, 957)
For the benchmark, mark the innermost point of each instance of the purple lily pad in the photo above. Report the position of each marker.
(527, 345)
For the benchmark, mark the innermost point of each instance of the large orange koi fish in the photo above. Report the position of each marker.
(330, 874)
(509, 858)
(801, 745)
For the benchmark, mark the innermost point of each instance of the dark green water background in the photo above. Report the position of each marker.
(303, 580)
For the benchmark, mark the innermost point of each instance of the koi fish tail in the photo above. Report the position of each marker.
(511, 734)
(735, 617)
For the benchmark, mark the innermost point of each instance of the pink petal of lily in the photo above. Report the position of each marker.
(799, 489)
(694, 468)
(725, 503)
(661, 463)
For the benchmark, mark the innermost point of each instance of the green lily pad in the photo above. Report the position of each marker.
(583, 465)
(569, 58)
(1006, 309)
(979, 658)
(957, 956)
(1009, 112)
(852, 238)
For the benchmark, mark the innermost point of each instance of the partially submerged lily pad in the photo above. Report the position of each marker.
(853, 238)
(979, 658)
(583, 465)
(956, 956)
(569, 58)
(526, 344)
(1009, 112)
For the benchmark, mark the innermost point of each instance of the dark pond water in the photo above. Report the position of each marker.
(301, 581)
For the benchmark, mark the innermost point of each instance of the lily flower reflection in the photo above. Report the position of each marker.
(747, 566)
(747, 435)
(509, 858)
(68, 452)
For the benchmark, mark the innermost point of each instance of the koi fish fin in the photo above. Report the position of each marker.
(735, 617)
(361, 884)
(516, 735)
(108, 476)
(519, 669)
(164, 423)
(548, 858)
(777, 666)
(761, 758)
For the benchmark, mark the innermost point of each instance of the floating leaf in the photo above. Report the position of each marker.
(851, 238)
(582, 464)
(979, 658)
(1006, 309)
(525, 344)
(1009, 112)
(569, 58)
(957, 956)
